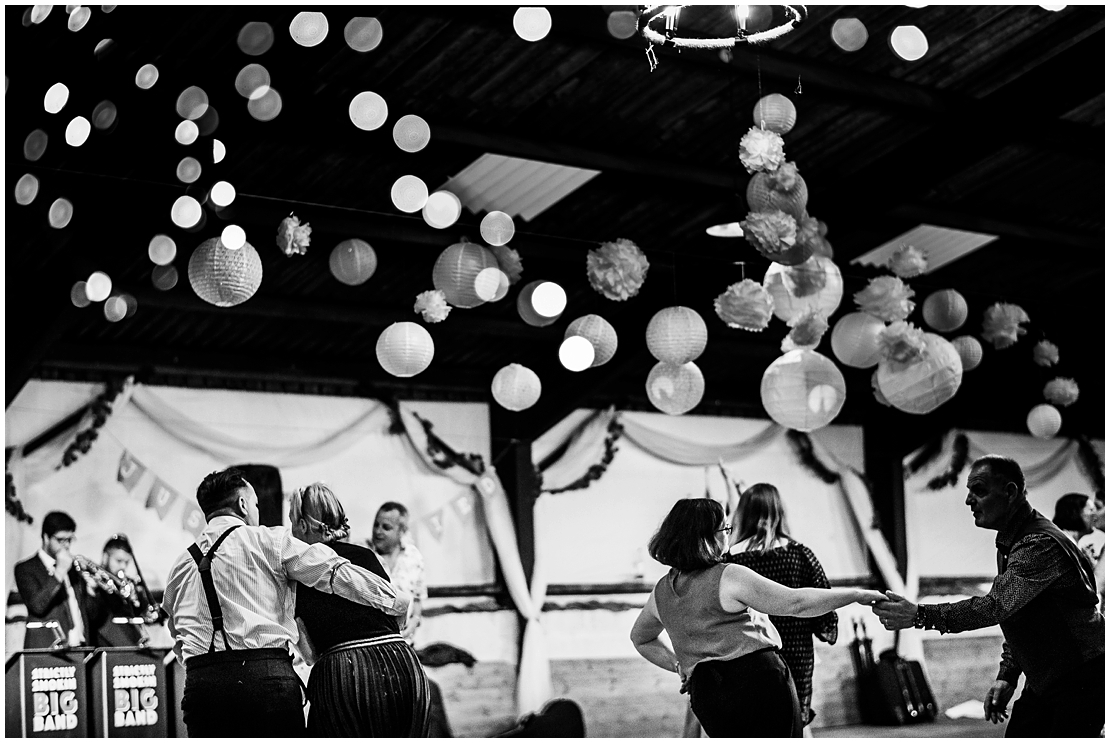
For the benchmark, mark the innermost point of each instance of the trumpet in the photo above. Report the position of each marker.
(120, 584)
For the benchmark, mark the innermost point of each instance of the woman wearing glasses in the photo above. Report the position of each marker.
(738, 683)
(760, 541)
(366, 681)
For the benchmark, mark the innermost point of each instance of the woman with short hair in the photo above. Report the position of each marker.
(366, 681)
(738, 683)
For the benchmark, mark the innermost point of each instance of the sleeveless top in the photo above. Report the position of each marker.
(689, 607)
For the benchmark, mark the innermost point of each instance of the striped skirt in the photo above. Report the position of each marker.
(369, 688)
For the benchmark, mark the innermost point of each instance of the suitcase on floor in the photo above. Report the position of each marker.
(905, 696)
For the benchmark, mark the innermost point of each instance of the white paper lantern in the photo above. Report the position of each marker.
(456, 270)
(353, 261)
(970, 351)
(923, 386)
(1044, 421)
(802, 390)
(763, 197)
(411, 133)
(409, 194)
(405, 349)
(776, 113)
(945, 310)
(516, 387)
(675, 388)
(597, 330)
(676, 335)
(442, 210)
(224, 277)
(526, 304)
(309, 29)
(497, 228)
(783, 289)
(855, 340)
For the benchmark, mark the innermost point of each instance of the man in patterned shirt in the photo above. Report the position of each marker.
(1045, 600)
(401, 559)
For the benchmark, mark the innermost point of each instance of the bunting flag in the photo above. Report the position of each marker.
(435, 524)
(192, 519)
(463, 505)
(130, 471)
(161, 498)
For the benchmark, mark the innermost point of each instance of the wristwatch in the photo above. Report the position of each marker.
(919, 617)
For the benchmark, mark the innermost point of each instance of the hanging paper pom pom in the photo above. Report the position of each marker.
(901, 343)
(879, 396)
(1061, 391)
(745, 305)
(293, 237)
(617, 269)
(508, 260)
(907, 262)
(1046, 354)
(761, 150)
(807, 331)
(785, 177)
(774, 235)
(820, 245)
(432, 305)
(1002, 324)
(887, 298)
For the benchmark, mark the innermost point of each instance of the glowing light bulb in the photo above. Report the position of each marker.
(549, 299)
(98, 286)
(233, 237)
(223, 193)
(576, 353)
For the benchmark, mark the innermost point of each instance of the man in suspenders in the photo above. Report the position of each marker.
(230, 600)
(1046, 602)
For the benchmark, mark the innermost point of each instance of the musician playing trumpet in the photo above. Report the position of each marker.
(123, 601)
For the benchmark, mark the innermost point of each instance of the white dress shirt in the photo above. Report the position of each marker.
(255, 572)
(77, 633)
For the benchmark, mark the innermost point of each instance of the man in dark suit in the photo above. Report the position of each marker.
(54, 590)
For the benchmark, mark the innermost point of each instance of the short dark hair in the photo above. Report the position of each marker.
(220, 489)
(1002, 468)
(118, 542)
(57, 521)
(687, 538)
(390, 505)
(1069, 512)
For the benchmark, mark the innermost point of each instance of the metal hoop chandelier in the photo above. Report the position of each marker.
(669, 36)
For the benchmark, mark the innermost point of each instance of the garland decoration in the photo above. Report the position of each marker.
(803, 448)
(444, 457)
(959, 462)
(12, 504)
(100, 408)
(614, 432)
(1091, 467)
(925, 456)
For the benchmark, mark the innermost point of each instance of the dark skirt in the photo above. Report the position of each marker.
(751, 696)
(369, 689)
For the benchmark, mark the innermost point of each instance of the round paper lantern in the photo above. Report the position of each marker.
(515, 387)
(855, 340)
(456, 270)
(776, 113)
(353, 261)
(405, 349)
(802, 390)
(970, 351)
(1044, 421)
(923, 386)
(945, 310)
(785, 283)
(411, 133)
(675, 388)
(676, 335)
(762, 197)
(526, 305)
(597, 330)
(497, 228)
(224, 277)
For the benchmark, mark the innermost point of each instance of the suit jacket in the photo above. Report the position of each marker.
(47, 599)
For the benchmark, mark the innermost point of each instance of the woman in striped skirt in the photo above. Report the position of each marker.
(366, 681)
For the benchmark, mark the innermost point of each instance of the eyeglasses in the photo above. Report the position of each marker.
(63, 540)
(727, 529)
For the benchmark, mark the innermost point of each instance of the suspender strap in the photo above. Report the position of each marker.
(204, 565)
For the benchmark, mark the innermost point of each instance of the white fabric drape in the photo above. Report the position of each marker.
(1037, 474)
(682, 451)
(586, 449)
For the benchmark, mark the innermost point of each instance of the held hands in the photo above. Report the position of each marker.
(998, 699)
(895, 611)
(868, 597)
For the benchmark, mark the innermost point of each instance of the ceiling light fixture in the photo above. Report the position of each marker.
(667, 17)
(729, 229)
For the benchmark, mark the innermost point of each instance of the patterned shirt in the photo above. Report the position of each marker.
(255, 572)
(408, 575)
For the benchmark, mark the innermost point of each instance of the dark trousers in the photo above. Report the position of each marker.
(242, 693)
(751, 696)
(1074, 708)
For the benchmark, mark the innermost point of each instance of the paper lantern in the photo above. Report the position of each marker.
(224, 277)
(526, 303)
(405, 349)
(675, 388)
(597, 330)
(516, 387)
(497, 228)
(922, 386)
(1044, 421)
(802, 390)
(764, 197)
(970, 351)
(456, 270)
(785, 283)
(855, 340)
(676, 335)
(353, 261)
(776, 113)
(945, 310)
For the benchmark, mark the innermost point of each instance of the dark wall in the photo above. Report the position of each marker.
(266, 480)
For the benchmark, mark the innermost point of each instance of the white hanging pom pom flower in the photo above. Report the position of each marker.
(907, 262)
(879, 396)
(761, 150)
(1046, 354)
(745, 305)
(432, 305)
(887, 298)
(508, 260)
(293, 237)
(807, 331)
(1002, 324)
(902, 343)
(1061, 391)
(617, 269)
